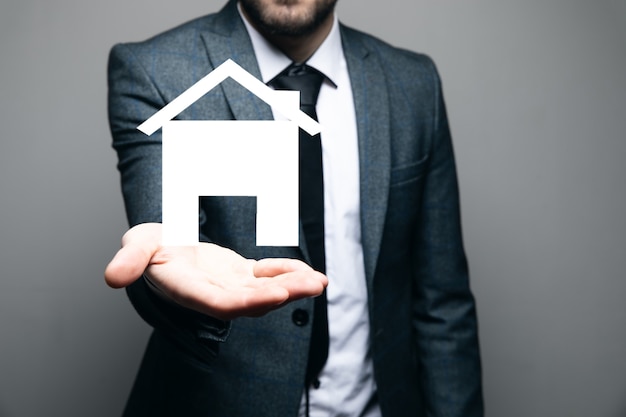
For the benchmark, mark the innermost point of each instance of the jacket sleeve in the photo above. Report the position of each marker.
(444, 310)
(133, 97)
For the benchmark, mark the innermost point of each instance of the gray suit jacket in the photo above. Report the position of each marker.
(423, 323)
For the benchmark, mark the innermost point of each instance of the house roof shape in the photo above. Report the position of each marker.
(227, 69)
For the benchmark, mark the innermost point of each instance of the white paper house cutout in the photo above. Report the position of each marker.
(231, 158)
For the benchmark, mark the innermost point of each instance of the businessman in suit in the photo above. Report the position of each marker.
(233, 321)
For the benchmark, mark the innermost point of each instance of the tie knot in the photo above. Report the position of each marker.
(300, 77)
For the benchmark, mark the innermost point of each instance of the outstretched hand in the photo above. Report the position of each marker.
(209, 278)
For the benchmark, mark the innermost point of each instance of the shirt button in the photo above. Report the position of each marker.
(300, 317)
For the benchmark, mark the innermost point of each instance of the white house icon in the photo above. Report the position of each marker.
(231, 158)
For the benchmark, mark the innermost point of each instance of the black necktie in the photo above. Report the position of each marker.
(308, 81)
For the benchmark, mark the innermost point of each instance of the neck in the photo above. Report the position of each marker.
(298, 48)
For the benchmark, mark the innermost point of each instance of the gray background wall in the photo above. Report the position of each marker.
(537, 100)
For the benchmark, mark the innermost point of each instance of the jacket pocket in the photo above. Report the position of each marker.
(409, 173)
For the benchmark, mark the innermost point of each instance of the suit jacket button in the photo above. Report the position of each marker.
(300, 317)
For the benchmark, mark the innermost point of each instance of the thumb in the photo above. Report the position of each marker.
(139, 244)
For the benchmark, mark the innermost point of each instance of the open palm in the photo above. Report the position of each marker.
(209, 278)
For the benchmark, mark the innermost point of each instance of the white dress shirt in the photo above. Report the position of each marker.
(347, 380)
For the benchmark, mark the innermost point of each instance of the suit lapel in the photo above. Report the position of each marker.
(228, 39)
(373, 124)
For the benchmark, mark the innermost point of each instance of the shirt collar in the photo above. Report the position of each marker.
(326, 59)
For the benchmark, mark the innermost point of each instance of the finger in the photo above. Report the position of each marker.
(138, 246)
(298, 278)
(299, 284)
(302, 284)
(270, 267)
(126, 267)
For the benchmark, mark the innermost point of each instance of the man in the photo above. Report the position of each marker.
(401, 317)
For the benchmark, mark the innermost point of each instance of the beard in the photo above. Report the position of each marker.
(284, 18)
